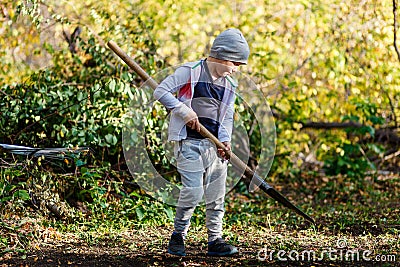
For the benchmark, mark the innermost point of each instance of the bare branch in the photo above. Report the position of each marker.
(395, 28)
(397, 153)
(393, 109)
(381, 134)
(332, 125)
(4, 93)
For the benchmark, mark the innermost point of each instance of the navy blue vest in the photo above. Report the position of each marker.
(207, 97)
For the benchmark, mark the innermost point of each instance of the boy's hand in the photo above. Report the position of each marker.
(194, 124)
(222, 152)
(189, 116)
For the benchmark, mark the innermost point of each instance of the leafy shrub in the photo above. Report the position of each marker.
(68, 105)
(352, 156)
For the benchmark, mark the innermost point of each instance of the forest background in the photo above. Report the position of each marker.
(328, 69)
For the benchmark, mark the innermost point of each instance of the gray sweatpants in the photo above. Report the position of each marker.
(203, 173)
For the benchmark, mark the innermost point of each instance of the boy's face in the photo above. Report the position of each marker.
(225, 67)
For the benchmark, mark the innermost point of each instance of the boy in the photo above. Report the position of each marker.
(206, 95)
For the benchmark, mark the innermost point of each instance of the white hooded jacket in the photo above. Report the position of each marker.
(184, 81)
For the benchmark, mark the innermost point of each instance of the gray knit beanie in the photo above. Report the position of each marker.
(230, 45)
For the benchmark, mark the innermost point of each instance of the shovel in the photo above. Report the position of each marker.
(236, 162)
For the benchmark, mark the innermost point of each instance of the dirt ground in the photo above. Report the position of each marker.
(147, 247)
(142, 245)
(97, 256)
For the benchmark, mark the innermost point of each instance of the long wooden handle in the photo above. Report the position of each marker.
(236, 162)
(132, 64)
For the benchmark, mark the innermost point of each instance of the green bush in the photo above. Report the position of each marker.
(70, 104)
